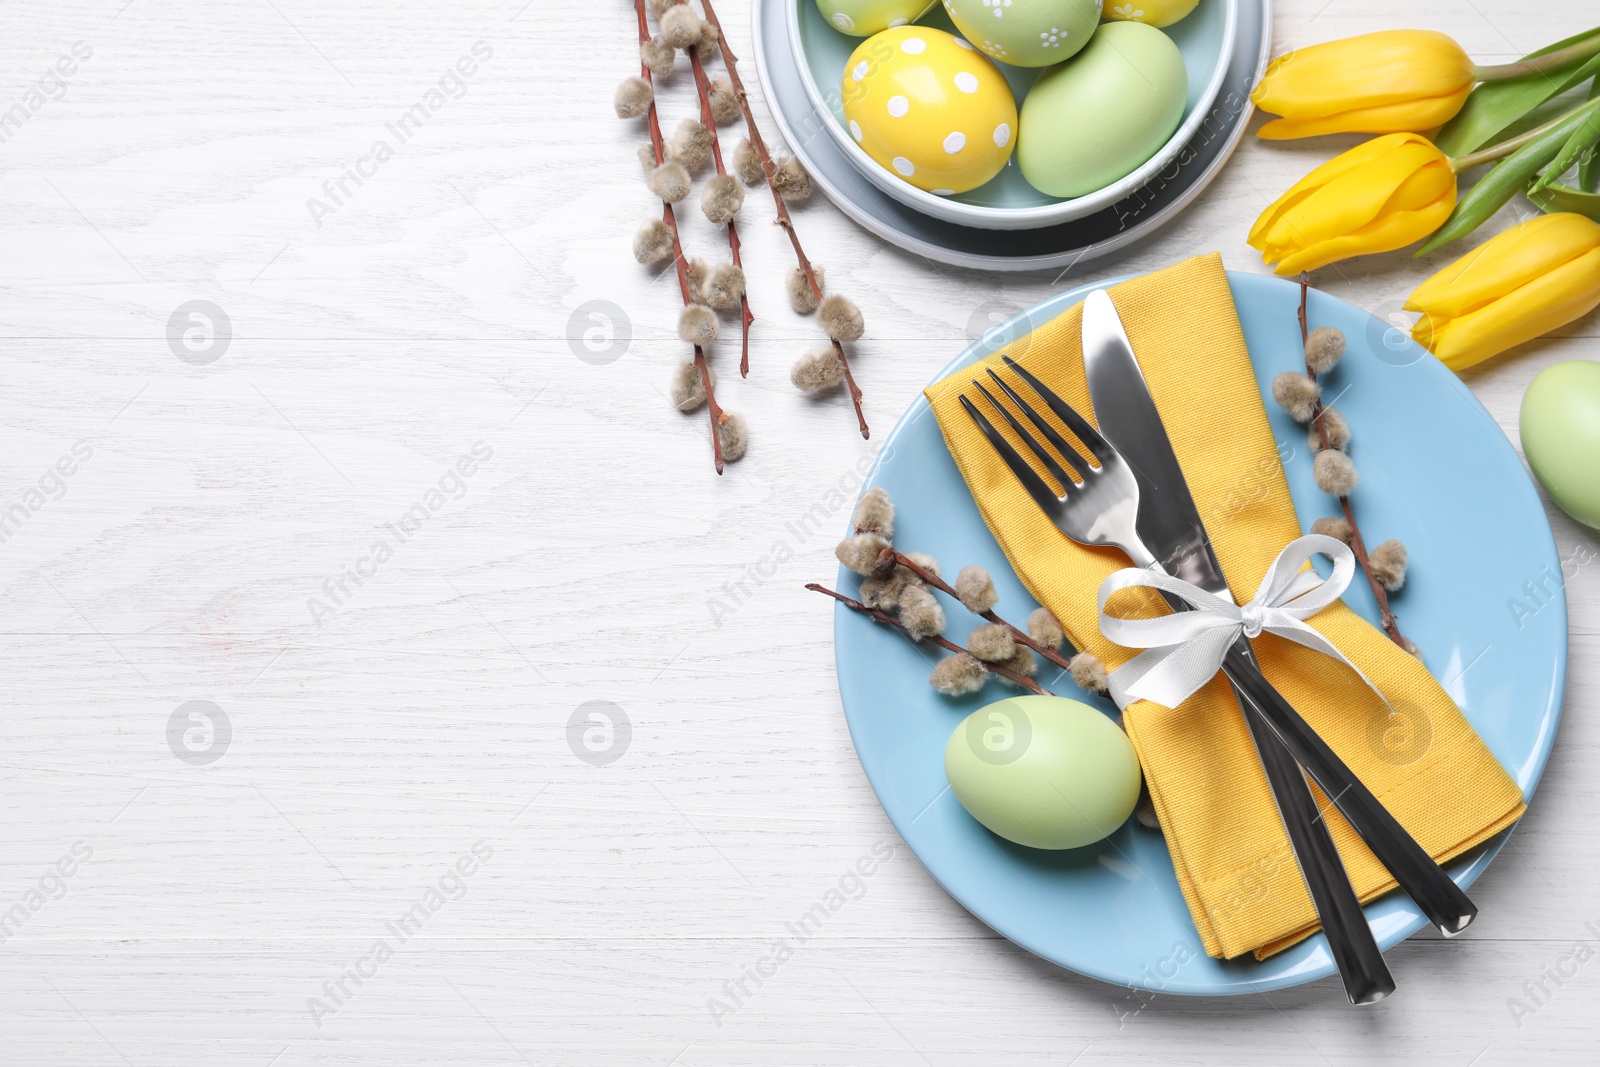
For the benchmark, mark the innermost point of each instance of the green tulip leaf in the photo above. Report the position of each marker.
(1494, 106)
(1557, 198)
(1510, 174)
(1579, 144)
(1589, 165)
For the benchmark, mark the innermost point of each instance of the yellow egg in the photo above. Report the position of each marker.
(1150, 12)
(928, 107)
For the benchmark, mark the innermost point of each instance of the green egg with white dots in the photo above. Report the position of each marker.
(1043, 771)
(1026, 33)
(863, 18)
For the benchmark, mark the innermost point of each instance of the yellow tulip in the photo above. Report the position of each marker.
(1378, 196)
(1515, 286)
(1396, 81)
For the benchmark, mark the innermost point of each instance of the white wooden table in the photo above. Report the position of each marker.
(228, 888)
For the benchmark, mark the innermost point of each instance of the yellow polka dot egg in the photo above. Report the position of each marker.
(928, 107)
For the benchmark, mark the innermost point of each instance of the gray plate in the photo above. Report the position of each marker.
(1048, 248)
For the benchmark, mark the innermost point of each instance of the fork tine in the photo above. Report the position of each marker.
(1025, 473)
(1070, 454)
(1065, 412)
(1067, 481)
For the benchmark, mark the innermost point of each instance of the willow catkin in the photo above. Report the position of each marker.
(1324, 346)
(688, 391)
(802, 297)
(975, 589)
(634, 97)
(817, 370)
(841, 319)
(874, 511)
(1296, 394)
(697, 324)
(860, 552)
(653, 242)
(958, 675)
(734, 434)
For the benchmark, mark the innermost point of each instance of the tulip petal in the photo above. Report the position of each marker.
(1352, 161)
(1389, 231)
(1355, 199)
(1505, 262)
(1373, 71)
(1395, 200)
(1551, 300)
(1423, 113)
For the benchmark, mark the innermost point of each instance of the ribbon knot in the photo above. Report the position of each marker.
(1253, 618)
(1185, 649)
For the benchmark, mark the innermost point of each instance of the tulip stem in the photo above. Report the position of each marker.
(1510, 145)
(1540, 64)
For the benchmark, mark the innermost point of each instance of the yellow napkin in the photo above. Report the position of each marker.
(1426, 765)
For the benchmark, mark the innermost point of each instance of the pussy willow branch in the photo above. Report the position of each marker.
(679, 262)
(702, 85)
(1391, 625)
(889, 620)
(1021, 637)
(731, 63)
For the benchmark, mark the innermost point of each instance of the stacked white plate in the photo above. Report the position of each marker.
(1006, 224)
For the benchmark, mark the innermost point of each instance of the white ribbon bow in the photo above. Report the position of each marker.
(1185, 649)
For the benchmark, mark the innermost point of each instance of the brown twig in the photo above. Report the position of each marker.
(702, 85)
(889, 620)
(1021, 637)
(1391, 625)
(679, 261)
(731, 63)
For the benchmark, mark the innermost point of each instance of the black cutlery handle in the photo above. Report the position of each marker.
(1350, 939)
(1351, 942)
(1444, 903)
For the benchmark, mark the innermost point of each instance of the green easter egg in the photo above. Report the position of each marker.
(863, 18)
(1042, 771)
(1099, 117)
(1026, 33)
(1560, 429)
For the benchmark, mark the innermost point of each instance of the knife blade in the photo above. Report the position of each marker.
(1170, 526)
(1130, 421)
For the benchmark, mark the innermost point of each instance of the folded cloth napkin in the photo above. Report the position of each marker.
(1231, 854)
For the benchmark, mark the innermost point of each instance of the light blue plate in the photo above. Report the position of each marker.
(1477, 534)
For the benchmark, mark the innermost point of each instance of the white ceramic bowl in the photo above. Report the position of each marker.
(1206, 38)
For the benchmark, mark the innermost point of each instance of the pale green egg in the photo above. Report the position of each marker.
(1045, 772)
(1098, 117)
(863, 18)
(1560, 429)
(1026, 33)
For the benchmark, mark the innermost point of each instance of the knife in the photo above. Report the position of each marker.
(1169, 525)
(1172, 528)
